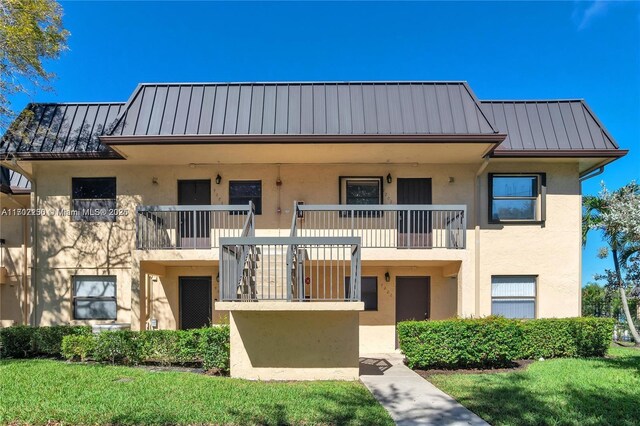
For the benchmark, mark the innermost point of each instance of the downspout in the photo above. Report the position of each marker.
(478, 215)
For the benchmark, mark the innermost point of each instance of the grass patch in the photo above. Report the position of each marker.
(38, 391)
(596, 391)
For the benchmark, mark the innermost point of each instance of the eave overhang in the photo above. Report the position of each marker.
(303, 138)
(560, 153)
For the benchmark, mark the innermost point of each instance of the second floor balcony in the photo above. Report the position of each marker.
(189, 227)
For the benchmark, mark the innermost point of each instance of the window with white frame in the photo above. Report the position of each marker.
(94, 297)
(513, 296)
(516, 197)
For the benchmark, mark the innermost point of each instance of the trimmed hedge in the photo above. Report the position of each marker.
(23, 341)
(208, 346)
(118, 347)
(213, 347)
(566, 337)
(466, 343)
(78, 347)
(497, 342)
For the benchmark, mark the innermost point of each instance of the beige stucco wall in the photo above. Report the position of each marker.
(551, 251)
(377, 328)
(300, 345)
(54, 295)
(164, 298)
(14, 257)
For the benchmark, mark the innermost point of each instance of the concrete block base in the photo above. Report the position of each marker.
(294, 345)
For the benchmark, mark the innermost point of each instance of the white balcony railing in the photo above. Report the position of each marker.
(386, 226)
(190, 227)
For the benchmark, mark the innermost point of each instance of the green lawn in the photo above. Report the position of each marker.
(36, 391)
(555, 392)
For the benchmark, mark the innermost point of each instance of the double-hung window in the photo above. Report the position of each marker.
(516, 197)
(93, 199)
(513, 296)
(94, 297)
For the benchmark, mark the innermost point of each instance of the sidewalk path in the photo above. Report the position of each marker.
(410, 399)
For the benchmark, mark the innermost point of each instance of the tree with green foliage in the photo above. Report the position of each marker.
(616, 214)
(594, 301)
(604, 300)
(31, 32)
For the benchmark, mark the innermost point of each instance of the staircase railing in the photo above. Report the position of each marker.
(234, 261)
(292, 258)
(290, 268)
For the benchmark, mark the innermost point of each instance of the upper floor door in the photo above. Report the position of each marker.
(414, 228)
(194, 225)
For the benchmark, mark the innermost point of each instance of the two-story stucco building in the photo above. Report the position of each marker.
(339, 209)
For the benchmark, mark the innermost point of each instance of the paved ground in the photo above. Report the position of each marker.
(410, 399)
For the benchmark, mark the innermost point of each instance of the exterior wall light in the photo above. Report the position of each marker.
(387, 277)
(218, 179)
(389, 178)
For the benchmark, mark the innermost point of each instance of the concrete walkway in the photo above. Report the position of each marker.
(410, 399)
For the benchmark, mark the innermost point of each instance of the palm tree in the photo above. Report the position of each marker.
(597, 216)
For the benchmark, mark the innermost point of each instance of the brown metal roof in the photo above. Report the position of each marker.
(548, 126)
(397, 108)
(13, 182)
(61, 129)
(306, 112)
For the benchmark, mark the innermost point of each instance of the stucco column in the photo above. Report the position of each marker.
(467, 284)
(138, 295)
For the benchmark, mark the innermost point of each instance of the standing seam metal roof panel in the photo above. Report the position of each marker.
(561, 125)
(61, 128)
(324, 109)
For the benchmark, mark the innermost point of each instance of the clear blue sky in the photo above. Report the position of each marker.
(505, 50)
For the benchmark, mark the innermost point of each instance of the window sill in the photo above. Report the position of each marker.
(516, 222)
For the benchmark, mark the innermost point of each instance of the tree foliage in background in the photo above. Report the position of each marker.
(31, 32)
(616, 214)
(604, 300)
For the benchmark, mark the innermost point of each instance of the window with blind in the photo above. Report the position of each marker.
(513, 296)
(94, 297)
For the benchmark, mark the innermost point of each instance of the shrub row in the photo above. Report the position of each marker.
(22, 341)
(209, 346)
(566, 337)
(497, 342)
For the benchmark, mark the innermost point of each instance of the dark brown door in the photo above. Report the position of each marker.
(195, 302)
(414, 228)
(413, 298)
(194, 227)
